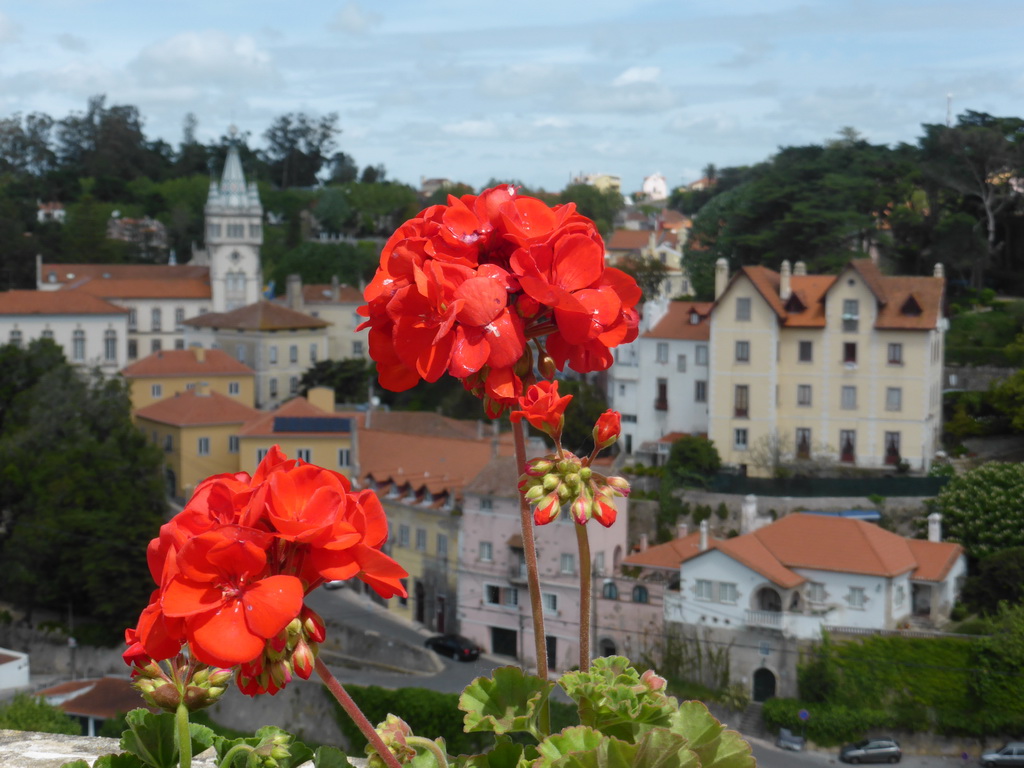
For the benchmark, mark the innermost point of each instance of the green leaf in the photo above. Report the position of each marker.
(509, 701)
(79, 764)
(582, 747)
(506, 755)
(151, 737)
(716, 747)
(330, 757)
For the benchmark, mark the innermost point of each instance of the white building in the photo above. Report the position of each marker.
(336, 303)
(92, 332)
(655, 187)
(660, 381)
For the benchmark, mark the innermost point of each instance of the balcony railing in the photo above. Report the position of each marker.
(770, 619)
(517, 573)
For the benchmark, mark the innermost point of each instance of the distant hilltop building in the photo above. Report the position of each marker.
(655, 187)
(603, 181)
(50, 212)
(146, 233)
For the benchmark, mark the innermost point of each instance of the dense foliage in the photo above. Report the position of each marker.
(983, 509)
(28, 713)
(81, 493)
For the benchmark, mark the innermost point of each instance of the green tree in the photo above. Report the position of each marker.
(298, 147)
(348, 378)
(983, 509)
(999, 577)
(588, 403)
(998, 661)
(440, 197)
(648, 272)
(601, 206)
(319, 262)
(28, 713)
(691, 460)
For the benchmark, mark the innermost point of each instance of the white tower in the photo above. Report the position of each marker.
(234, 234)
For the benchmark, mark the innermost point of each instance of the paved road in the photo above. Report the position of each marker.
(770, 756)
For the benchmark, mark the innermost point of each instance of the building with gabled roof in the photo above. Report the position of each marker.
(662, 245)
(94, 701)
(336, 303)
(279, 343)
(840, 368)
(766, 592)
(92, 332)
(165, 373)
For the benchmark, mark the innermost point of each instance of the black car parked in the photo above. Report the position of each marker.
(872, 751)
(455, 646)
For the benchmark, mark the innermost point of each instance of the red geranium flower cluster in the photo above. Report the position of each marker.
(463, 287)
(233, 569)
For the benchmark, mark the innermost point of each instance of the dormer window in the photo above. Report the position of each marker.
(911, 307)
(694, 317)
(794, 304)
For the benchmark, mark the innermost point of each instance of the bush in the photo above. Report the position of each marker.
(27, 713)
(828, 725)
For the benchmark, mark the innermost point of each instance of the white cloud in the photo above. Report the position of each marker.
(635, 75)
(354, 20)
(8, 29)
(552, 122)
(210, 57)
(72, 43)
(472, 129)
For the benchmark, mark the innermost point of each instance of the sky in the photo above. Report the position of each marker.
(537, 92)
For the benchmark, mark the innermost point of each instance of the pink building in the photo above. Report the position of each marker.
(494, 606)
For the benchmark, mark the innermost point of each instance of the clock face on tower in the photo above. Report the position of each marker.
(235, 256)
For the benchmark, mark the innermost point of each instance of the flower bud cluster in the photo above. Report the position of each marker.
(554, 481)
(201, 686)
(395, 733)
(292, 651)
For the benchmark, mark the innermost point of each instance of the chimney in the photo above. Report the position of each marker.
(721, 277)
(334, 287)
(935, 527)
(322, 398)
(785, 290)
(800, 268)
(703, 535)
(200, 354)
(940, 271)
(293, 292)
(643, 542)
(682, 530)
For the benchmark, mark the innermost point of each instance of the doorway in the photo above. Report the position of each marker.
(764, 684)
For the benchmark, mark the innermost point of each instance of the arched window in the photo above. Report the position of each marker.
(610, 591)
(640, 594)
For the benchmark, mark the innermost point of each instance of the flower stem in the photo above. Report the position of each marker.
(585, 589)
(230, 756)
(532, 579)
(184, 736)
(431, 747)
(353, 711)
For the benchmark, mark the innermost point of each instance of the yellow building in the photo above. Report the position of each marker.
(306, 429)
(334, 303)
(844, 368)
(169, 372)
(198, 431)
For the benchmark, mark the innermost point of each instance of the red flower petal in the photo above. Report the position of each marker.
(223, 638)
(271, 603)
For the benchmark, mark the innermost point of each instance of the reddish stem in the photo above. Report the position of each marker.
(353, 711)
(585, 589)
(530, 556)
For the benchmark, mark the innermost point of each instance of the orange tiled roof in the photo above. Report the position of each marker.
(428, 424)
(55, 303)
(297, 407)
(322, 294)
(676, 322)
(69, 273)
(497, 478)
(261, 316)
(146, 288)
(629, 239)
(189, 408)
(186, 362)
(670, 554)
(104, 698)
(934, 558)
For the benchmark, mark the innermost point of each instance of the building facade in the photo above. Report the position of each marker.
(164, 374)
(336, 304)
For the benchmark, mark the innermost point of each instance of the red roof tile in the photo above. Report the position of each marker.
(670, 554)
(676, 324)
(69, 273)
(261, 316)
(56, 303)
(629, 239)
(146, 288)
(104, 698)
(934, 558)
(186, 362)
(190, 408)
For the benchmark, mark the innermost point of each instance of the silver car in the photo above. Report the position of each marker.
(1011, 754)
(872, 751)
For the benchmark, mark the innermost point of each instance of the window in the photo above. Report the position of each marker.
(806, 354)
(849, 399)
(855, 597)
(155, 345)
(851, 314)
(236, 230)
(403, 535)
(681, 363)
(293, 353)
(702, 354)
(357, 349)
(240, 352)
(704, 589)
(700, 391)
(662, 353)
(179, 343)
(892, 448)
(344, 457)
(742, 351)
(48, 334)
(233, 444)
(741, 401)
(727, 592)
(156, 319)
(893, 399)
(133, 319)
(260, 454)
(895, 354)
(850, 352)
(156, 390)
(568, 562)
(550, 601)
(625, 355)
(510, 596)
(110, 346)
(487, 503)
(661, 401)
(168, 443)
(312, 353)
(486, 552)
(421, 539)
(273, 388)
(179, 318)
(273, 355)
(233, 388)
(214, 230)
(78, 345)
(899, 596)
(306, 454)
(254, 231)
(15, 338)
(492, 594)
(815, 592)
(609, 591)
(204, 446)
(803, 394)
(640, 594)
(739, 439)
(133, 349)
(743, 309)
(442, 545)
(847, 445)
(293, 385)
(803, 443)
